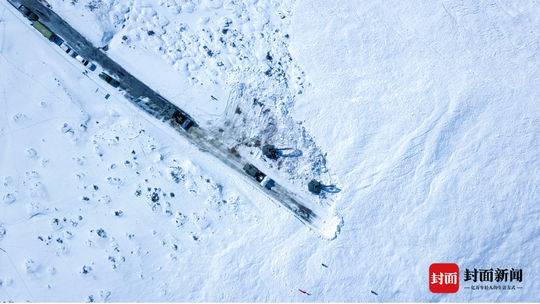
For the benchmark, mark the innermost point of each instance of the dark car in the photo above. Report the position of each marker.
(57, 40)
(28, 13)
(260, 177)
(113, 82)
(183, 120)
(315, 187)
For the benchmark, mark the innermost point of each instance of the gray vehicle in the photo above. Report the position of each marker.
(108, 79)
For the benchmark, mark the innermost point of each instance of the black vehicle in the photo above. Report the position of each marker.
(273, 153)
(28, 13)
(113, 82)
(183, 120)
(316, 187)
(260, 177)
(57, 40)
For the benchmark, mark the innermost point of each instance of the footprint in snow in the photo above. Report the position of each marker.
(9, 198)
(3, 231)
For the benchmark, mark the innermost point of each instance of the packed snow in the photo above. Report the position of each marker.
(425, 115)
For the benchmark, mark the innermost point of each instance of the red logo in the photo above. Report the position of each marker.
(443, 278)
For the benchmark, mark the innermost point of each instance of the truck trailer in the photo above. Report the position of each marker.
(46, 32)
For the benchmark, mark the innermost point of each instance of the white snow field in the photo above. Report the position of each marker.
(425, 113)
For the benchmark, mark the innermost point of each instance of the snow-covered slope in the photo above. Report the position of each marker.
(425, 114)
(430, 115)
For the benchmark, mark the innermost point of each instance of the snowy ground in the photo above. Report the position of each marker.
(426, 115)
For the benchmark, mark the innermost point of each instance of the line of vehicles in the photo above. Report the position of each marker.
(179, 117)
(314, 186)
(51, 36)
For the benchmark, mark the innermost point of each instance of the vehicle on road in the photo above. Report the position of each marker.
(28, 13)
(260, 177)
(183, 120)
(45, 31)
(91, 66)
(65, 47)
(82, 60)
(45, 3)
(16, 3)
(72, 53)
(57, 40)
(108, 79)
